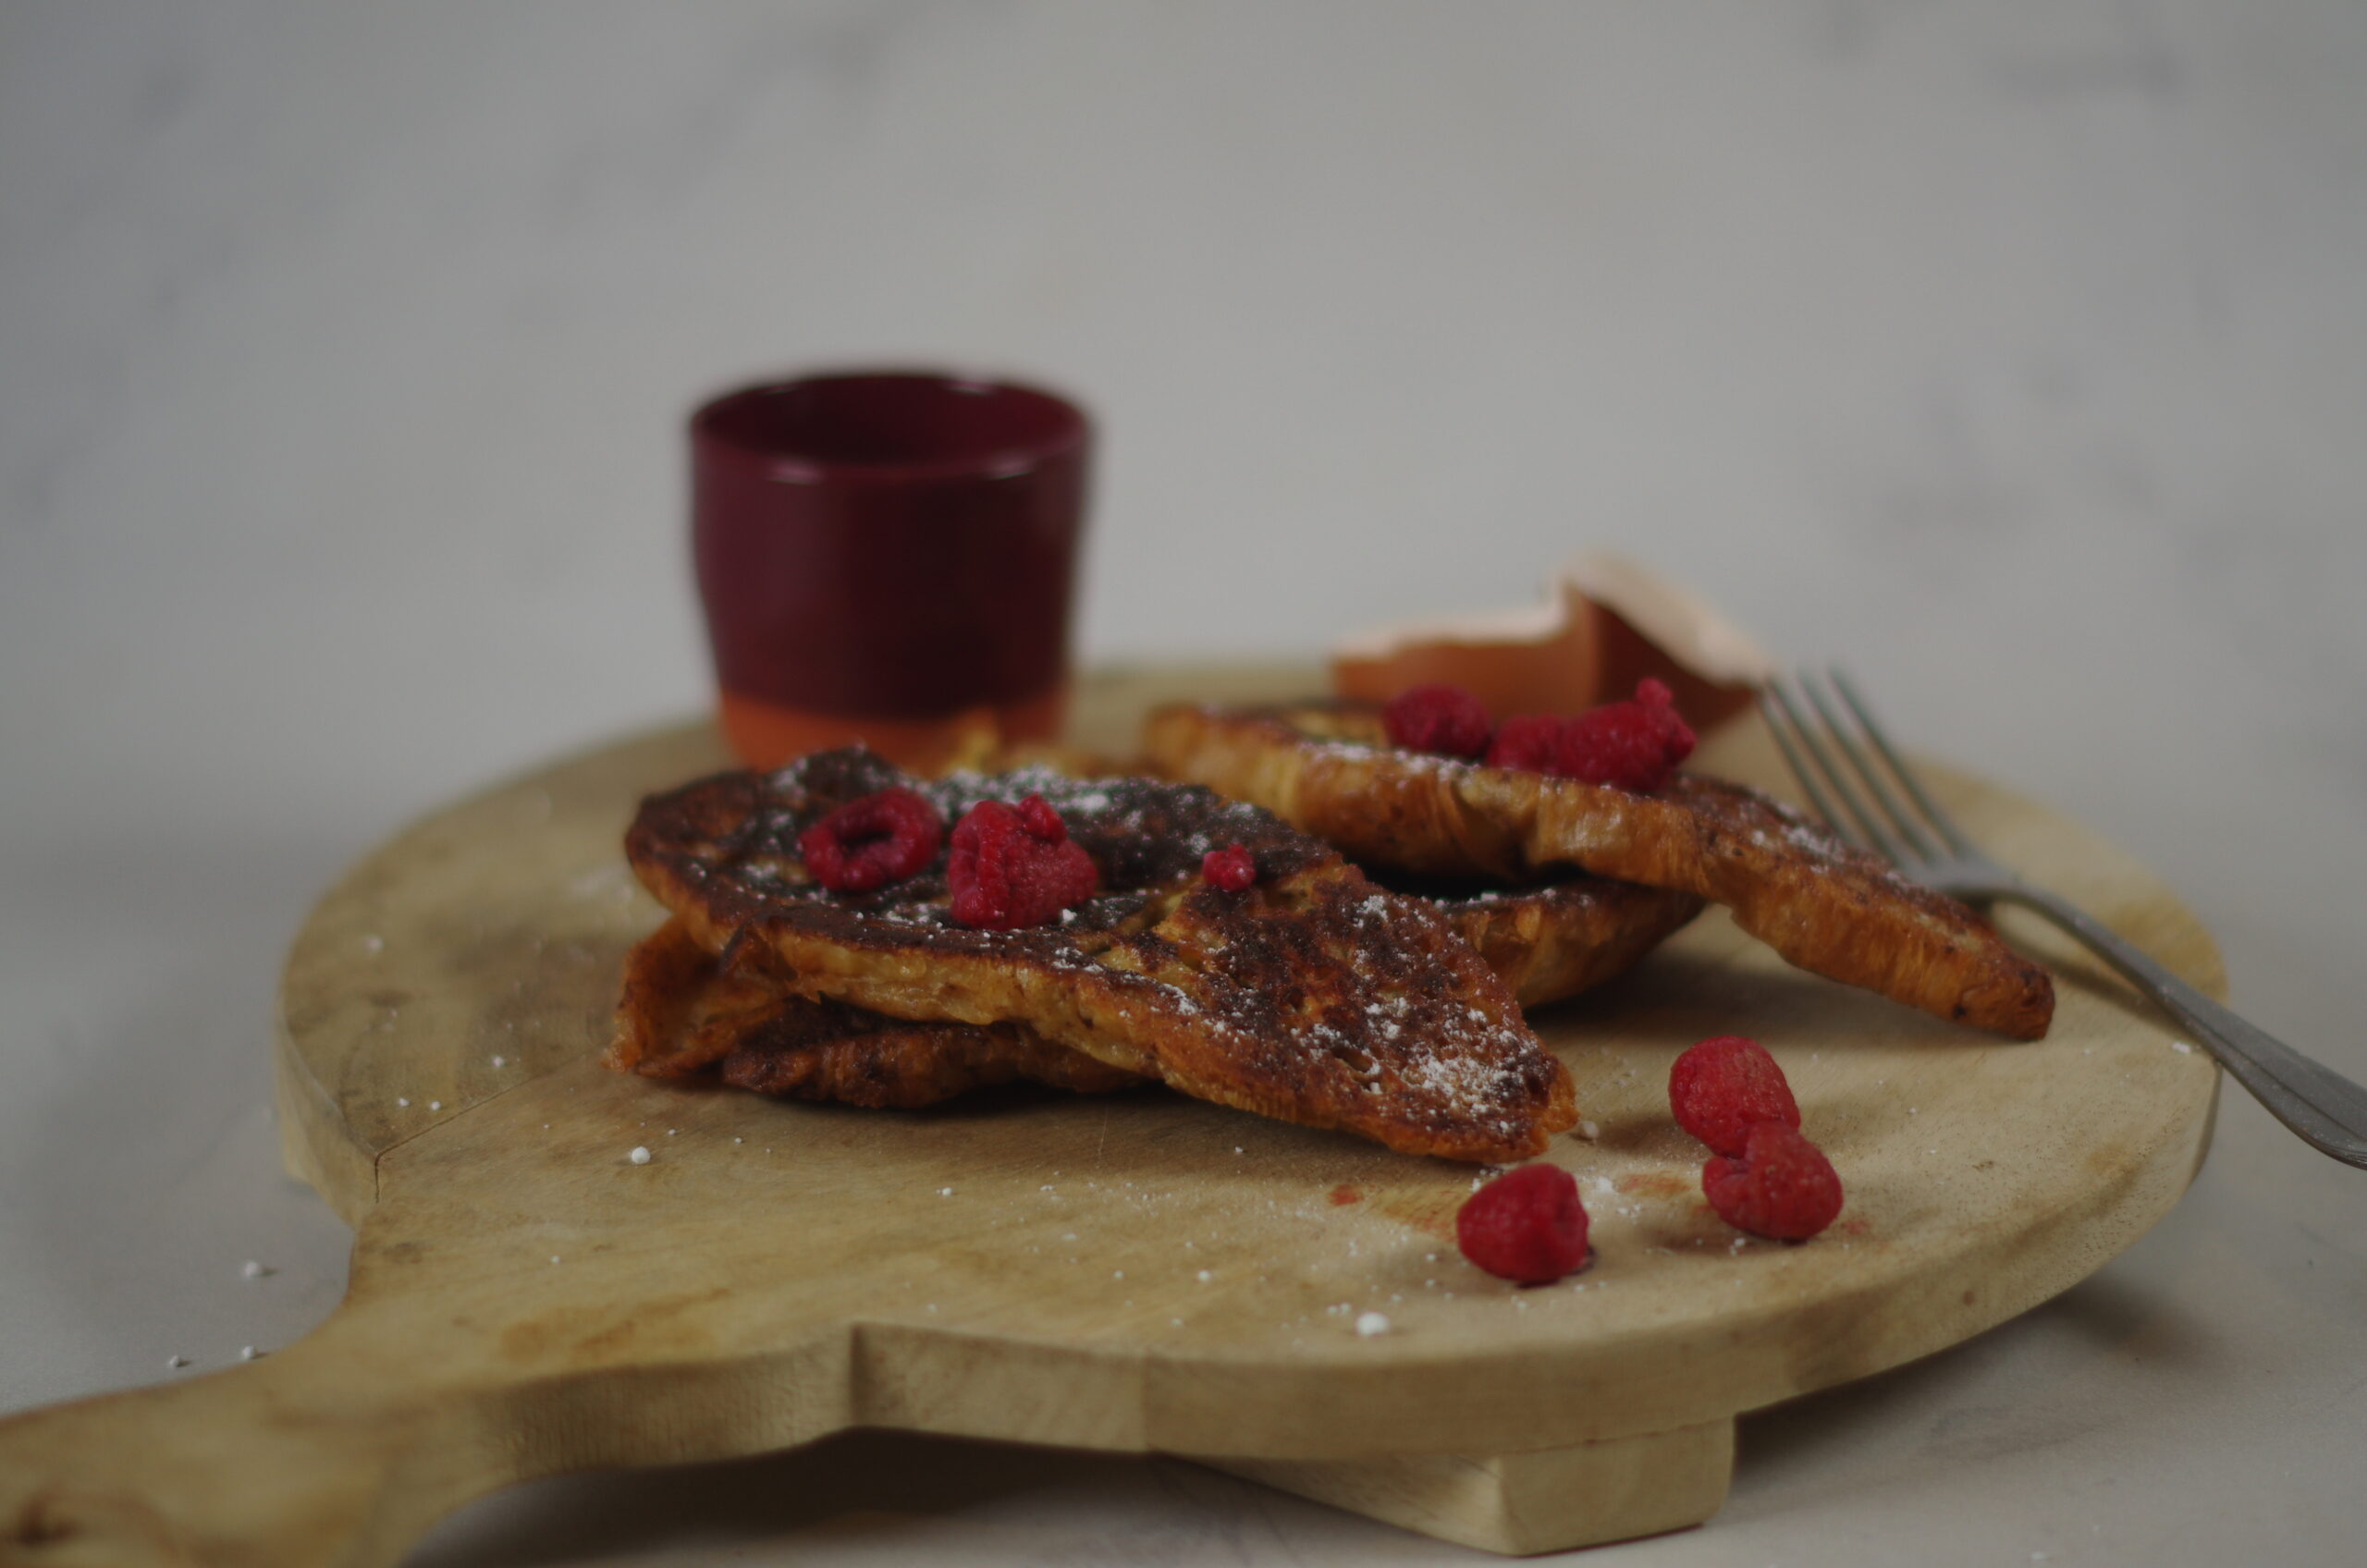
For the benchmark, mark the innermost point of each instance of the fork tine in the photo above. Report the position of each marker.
(1798, 744)
(1942, 823)
(1781, 726)
(1902, 819)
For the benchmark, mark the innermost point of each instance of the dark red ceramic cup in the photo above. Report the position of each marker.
(888, 557)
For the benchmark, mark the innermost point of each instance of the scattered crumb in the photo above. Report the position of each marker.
(254, 1270)
(554, 1258)
(249, 1353)
(1206, 1276)
(435, 1105)
(1372, 1324)
(176, 1362)
(640, 1155)
(1590, 1131)
(501, 1061)
(2180, 1046)
(402, 1099)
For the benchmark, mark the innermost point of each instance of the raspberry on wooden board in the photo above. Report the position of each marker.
(1527, 1225)
(1782, 1187)
(1724, 1086)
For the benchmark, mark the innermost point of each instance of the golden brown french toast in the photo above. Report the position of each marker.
(1328, 768)
(1550, 940)
(1313, 995)
(685, 1010)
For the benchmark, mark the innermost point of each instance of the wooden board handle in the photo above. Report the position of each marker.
(341, 1449)
(266, 1465)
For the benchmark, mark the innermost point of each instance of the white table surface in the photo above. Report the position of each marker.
(2016, 355)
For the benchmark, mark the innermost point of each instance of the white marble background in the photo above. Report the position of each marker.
(2014, 353)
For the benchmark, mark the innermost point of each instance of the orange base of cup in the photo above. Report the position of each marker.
(767, 735)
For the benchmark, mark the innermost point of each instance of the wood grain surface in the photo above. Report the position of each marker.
(1137, 1271)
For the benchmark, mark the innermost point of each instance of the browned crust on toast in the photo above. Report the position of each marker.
(685, 1010)
(1551, 941)
(1313, 997)
(1820, 904)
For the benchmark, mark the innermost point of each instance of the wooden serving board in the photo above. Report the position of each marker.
(1135, 1272)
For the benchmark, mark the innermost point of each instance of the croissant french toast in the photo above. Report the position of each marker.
(1312, 996)
(1328, 768)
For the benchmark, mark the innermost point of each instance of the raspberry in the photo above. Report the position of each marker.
(1532, 740)
(1041, 821)
(1446, 719)
(870, 842)
(1526, 1225)
(1781, 1188)
(1231, 868)
(1633, 745)
(1015, 866)
(1722, 1087)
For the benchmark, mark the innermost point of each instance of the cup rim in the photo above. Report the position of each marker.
(1069, 433)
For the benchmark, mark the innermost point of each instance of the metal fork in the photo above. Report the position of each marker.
(1852, 764)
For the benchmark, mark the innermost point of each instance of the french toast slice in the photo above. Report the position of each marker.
(1313, 996)
(1823, 904)
(684, 1010)
(1550, 940)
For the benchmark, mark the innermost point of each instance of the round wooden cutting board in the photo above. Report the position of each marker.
(1137, 1271)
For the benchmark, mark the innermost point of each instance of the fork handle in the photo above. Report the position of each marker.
(2325, 1110)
